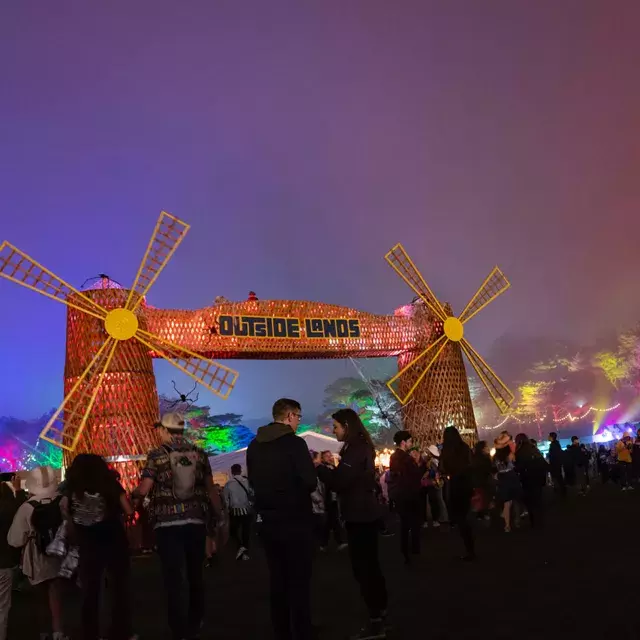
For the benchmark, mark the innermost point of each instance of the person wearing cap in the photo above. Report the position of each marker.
(177, 477)
(404, 489)
(9, 556)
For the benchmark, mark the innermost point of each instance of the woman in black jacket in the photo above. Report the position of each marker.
(455, 463)
(532, 469)
(354, 481)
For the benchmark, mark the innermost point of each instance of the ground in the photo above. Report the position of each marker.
(575, 579)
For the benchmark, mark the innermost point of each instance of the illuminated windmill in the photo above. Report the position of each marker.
(111, 403)
(435, 379)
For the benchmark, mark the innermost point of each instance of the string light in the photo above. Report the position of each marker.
(585, 414)
(555, 420)
(498, 425)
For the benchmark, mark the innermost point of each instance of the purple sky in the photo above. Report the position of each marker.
(303, 140)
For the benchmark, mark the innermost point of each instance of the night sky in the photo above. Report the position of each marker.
(301, 141)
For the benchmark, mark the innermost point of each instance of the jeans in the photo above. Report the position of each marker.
(410, 525)
(365, 563)
(625, 473)
(289, 551)
(6, 585)
(240, 529)
(559, 485)
(532, 498)
(104, 550)
(182, 549)
(433, 495)
(332, 523)
(460, 492)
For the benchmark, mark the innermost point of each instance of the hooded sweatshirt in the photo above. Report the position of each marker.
(282, 476)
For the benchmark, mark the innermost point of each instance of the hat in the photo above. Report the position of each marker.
(502, 441)
(41, 482)
(173, 421)
(433, 450)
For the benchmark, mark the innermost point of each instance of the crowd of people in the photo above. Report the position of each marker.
(294, 499)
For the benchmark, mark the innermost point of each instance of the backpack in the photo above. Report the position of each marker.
(45, 521)
(184, 465)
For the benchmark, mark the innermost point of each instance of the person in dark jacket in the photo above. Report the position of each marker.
(578, 461)
(556, 457)
(283, 477)
(405, 492)
(532, 469)
(455, 463)
(482, 470)
(354, 480)
(10, 500)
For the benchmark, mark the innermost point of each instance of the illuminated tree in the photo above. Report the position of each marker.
(217, 439)
(534, 398)
(377, 407)
(615, 366)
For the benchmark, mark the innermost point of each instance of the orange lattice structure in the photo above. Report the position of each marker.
(111, 401)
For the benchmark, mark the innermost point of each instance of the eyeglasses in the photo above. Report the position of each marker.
(297, 415)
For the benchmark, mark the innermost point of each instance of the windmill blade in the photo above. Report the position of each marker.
(65, 432)
(497, 389)
(495, 285)
(166, 238)
(404, 267)
(210, 374)
(17, 266)
(432, 352)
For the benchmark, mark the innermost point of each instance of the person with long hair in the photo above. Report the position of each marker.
(95, 505)
(455, 463)
(509, 490)
(354, 480)
(532, 469)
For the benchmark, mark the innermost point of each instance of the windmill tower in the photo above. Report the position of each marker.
(435, 380)
(110, 403)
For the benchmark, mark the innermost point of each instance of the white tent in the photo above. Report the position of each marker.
(221, 465)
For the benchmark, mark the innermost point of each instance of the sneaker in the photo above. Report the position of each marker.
(245, 556)
(385, 533)
(436, 524)
(322, 549)
(631, 489)
(240, 553)
(373, 631)
(343, 546)
(624, 488)
(425, 525)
